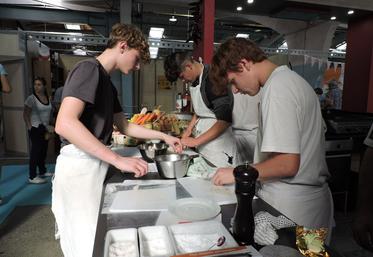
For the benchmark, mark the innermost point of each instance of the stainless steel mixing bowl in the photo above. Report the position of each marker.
(150, 150)
(172, 165)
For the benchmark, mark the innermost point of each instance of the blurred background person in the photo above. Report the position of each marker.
(37, 112)
(5, 88)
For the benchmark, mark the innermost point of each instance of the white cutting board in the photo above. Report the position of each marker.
(202, 188)
(153, 199)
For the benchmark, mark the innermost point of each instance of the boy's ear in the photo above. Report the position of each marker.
(246, 64)
(123, 46)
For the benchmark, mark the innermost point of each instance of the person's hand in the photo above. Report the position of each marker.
(223, 176)
(134, 165)
(186, 133)
(362, 228)
(174, 142)
(189, 142)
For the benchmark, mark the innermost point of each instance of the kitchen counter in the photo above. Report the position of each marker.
(138, 219)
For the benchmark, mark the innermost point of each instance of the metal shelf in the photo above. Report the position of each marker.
(80, 39)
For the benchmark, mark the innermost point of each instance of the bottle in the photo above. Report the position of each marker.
(186, 99)
(243, 220)
(179, 102)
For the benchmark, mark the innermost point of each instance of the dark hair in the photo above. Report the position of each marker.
(43, 81)
(174, 64)
(132, 36)
(227, 58)
(318, 91)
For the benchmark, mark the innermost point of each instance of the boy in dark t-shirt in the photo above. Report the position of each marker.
(85, 119)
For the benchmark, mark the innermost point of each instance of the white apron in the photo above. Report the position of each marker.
(220, 151)
(245, 126)
(76, 194)
(309, 206)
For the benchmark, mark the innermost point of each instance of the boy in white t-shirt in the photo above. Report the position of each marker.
(289, 154)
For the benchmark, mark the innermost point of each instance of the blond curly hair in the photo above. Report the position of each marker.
(132, 36)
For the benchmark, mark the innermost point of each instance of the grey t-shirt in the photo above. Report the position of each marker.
(89, 82)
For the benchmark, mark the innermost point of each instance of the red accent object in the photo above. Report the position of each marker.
(358, 78)
(205, 48)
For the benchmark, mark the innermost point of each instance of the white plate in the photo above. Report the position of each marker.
(193, 209)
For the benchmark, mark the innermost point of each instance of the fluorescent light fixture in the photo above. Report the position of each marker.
(156, 32)
(333, 18)
(242, 35)
(153, 52)
(72, 26)
(257, 30)
(239, 8)
(342, 46)
(350, 12)
(172, 19)
(284, 45)
(250, 1)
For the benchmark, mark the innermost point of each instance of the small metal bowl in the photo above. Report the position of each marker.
(150, 150)
(172, 165)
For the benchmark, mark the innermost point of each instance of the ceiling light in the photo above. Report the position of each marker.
(242, 35)
(156, 32)
(250, 1)
(257, 30)
(239, 8)
(72, 26)
(350, 12)
(172, 19)
(333, 18)
(153, 52)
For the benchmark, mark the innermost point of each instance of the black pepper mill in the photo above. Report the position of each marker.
(243, 221)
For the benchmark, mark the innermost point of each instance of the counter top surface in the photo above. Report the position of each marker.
(138, 219)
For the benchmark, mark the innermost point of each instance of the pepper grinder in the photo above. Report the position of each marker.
(243, 221)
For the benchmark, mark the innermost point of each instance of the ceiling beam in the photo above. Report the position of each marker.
(355, 4)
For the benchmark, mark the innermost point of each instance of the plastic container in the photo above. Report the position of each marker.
(155, 242)
(199, 236)
(121, 241)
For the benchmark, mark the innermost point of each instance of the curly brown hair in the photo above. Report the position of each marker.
(227, 58)
(132, 36)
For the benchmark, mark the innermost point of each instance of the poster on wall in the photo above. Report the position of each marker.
(332, 85)
(326, 77)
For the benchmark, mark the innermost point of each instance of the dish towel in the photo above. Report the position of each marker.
(200, 169)
(266, 226)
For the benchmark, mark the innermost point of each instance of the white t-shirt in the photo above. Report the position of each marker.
(369, 139)
(290, 121)
(40, 113)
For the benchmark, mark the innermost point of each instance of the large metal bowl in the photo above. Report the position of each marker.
(150, 150)
(172, 165)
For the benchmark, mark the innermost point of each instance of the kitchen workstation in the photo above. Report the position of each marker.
(176, 210)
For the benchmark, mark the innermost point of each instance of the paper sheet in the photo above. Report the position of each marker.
(202, 188)
(144, 195)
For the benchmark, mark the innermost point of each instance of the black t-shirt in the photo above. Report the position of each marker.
(220, 105)
(89, 82)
